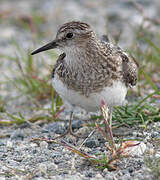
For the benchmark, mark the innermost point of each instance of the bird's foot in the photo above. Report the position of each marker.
(69, 131)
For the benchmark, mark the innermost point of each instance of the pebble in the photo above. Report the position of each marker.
(76, 124)
(52, 166)
(137, 150)
(157, 155)
(43, 168)
(150, 151)
(105, 171)
(9, 144)
(155, 134)
(91, 143)
(99, 176)
(43, 145)
(89, 174)
(130, 169)
(18, 135)
(55, 127)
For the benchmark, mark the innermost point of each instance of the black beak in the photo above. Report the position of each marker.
(48, 46)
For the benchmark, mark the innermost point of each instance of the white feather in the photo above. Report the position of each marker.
(112, 96)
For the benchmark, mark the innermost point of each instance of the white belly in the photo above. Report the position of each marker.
(112, 96)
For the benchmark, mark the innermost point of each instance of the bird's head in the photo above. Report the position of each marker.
(71, 35)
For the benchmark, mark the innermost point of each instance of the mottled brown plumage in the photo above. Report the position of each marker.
(103, 63)
(90, 70)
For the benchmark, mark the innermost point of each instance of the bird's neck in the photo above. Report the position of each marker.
(81, 55)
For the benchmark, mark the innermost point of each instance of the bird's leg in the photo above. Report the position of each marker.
(69, 130)
(70, 124)
(70, 127)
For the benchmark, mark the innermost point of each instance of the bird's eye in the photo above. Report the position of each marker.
(69, 35)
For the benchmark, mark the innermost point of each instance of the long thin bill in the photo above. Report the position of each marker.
(46, 47)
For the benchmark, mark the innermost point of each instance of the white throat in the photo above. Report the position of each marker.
(74, 55)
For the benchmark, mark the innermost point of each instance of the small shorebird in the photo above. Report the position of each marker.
(89, 70)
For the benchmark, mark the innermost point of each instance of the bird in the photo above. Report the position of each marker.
(89, 70)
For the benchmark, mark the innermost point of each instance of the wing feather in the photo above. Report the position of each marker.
(130, 70)
(58, 62)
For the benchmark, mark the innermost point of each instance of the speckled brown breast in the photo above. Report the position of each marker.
(91, 77)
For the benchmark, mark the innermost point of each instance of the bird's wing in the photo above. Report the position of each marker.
(129, 69)
(58, 62)
(129, 64)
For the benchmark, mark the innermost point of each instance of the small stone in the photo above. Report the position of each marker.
(43, 145)
(127, 177)
(56, 128)
(52, 166)
(98, 176)
(18, 159)
(136, 150)
(17, 135)
(131, 170)
(57, 161)
(34, 151)
(33, 145)
(109, 177)
(149, 145)
(9, 144)
(157, 155)
(89, 174)
(134, 133)
(43, 168)
(91, 143)
(83, 130)
(76, 124)
(151, 151)
(24, 125)
(2, 144)
(56, 154)
(123, 172)
(105, 171)
(154, 134)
